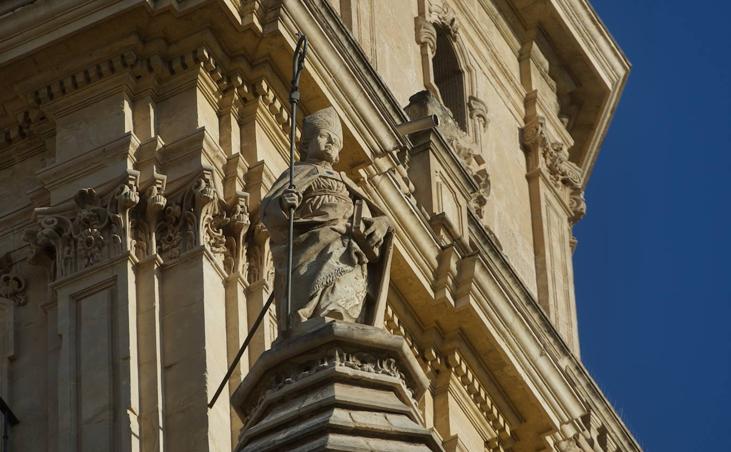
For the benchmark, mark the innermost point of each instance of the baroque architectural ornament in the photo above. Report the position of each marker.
(331, 359)
(95, 229)
(467, 150)
(139, 143)
(100, 228)
(564, 174)
(260, 264)
(196, 217)
(12, 286)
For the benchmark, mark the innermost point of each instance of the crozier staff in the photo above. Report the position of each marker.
(339, 268)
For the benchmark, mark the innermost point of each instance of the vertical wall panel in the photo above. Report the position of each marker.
(95, 372)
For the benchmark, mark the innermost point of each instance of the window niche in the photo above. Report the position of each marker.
(449, 76)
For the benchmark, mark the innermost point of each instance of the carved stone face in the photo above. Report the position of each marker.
(324, 146)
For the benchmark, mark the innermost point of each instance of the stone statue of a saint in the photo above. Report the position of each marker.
(342, 240)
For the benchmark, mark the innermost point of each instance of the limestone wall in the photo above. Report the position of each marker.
(137, 140)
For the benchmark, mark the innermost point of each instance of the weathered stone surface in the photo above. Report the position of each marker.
(341, 252)
(345, 378)
(138, 140)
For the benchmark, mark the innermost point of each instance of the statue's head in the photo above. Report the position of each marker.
(322, 136)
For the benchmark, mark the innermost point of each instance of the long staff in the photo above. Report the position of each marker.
(298, 63)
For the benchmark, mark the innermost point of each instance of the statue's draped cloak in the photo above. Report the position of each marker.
(331, 276)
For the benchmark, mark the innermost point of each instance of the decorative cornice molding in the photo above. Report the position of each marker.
(452, 362)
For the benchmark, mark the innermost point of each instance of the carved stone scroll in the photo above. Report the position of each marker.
(12, 285)
(95, 228)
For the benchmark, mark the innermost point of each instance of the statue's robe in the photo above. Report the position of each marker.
(331, 275)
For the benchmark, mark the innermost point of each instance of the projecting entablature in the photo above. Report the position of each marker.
(577, 70)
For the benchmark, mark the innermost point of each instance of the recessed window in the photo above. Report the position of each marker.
(449, 77)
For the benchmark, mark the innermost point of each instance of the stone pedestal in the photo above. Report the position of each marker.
(334, 386)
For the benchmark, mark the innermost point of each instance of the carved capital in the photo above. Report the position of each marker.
(238, 226)
(144, 223)
(94, 229)
(261, 263)
(198, 216)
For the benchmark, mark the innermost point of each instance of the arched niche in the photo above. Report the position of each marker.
(448, 71)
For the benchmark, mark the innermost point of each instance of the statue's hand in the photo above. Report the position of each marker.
(290, 199)
(376, 231)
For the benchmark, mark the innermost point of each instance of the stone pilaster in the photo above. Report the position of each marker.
(557, 202)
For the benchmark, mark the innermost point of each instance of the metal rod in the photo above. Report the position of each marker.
(298, 63)
(294, 96)
(9, 420)
(240, 353)
(6, 428)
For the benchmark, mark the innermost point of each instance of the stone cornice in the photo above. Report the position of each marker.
(603, 70)
(450, 365)
(561, 371)
(500, 300)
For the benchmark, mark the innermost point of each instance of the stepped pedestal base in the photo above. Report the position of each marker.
(336, 387)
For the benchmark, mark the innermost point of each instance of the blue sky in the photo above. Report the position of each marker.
(652, 265)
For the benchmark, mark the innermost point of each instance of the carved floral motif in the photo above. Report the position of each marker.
(98, 228)
(12, 286)
(563, 173)
(95, 229)
(261, 263)
(199, 217)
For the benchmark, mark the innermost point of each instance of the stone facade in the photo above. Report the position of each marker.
(138, 138)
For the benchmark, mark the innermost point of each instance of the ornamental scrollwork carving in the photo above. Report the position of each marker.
(426, 34)
(199, 217)
(94, 229)
(441, 13)
(334, 358)
(564, 174)
(144, 224)
(261, 263)
(577, 204)
(12, 285)
(478, 111)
